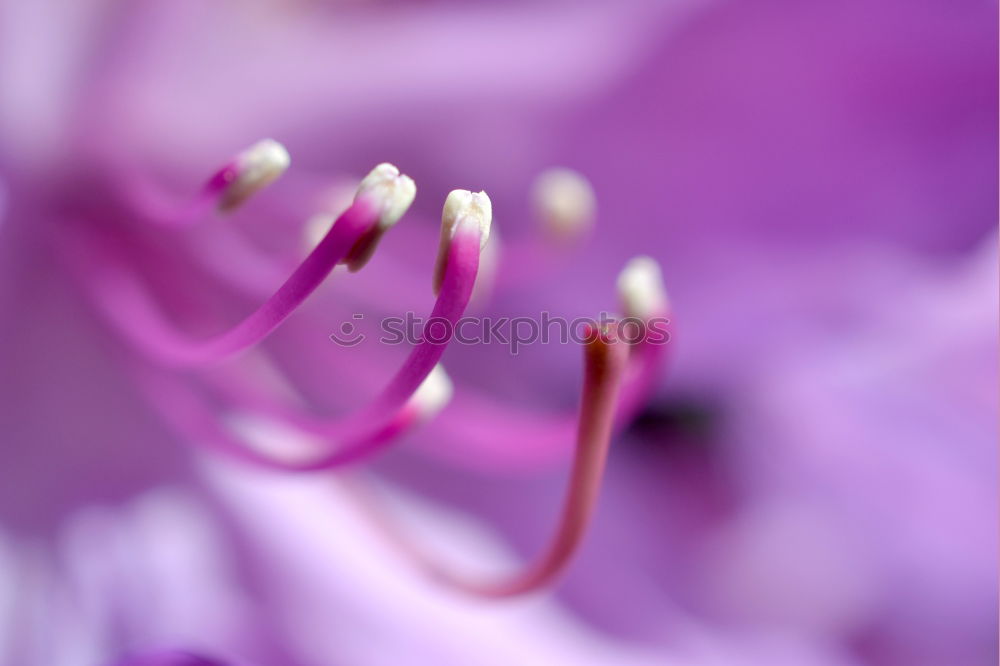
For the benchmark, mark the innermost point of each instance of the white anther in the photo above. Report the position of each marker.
(641, 290)
(391, 194)
(254, 169)
(461, 208)
(389, 190)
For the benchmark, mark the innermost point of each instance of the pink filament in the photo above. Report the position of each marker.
(605, 361)
(352, 438)
(124, 301)
(456, 290)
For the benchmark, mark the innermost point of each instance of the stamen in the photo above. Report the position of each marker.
(390, 194)
(463, 212)
(643, 296)
(252, 170)
(292, 441)
(236, 181)
(130, 308)
(640, 288)
(564, 202)
(453, 299)
(604, 364)
(480, 429)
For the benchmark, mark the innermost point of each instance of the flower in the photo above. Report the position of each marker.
(124, 544)
(811, 179)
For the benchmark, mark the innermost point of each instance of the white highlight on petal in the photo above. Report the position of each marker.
(434, 393)
(391, 191)
(461, 207)
(255, 168)
(272, 437)
(641, 290)
(564, 202)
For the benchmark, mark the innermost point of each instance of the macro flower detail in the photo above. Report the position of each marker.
(279, 402)
(238, 420)
(605, 358)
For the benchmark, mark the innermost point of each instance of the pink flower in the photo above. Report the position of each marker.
(812, 485)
